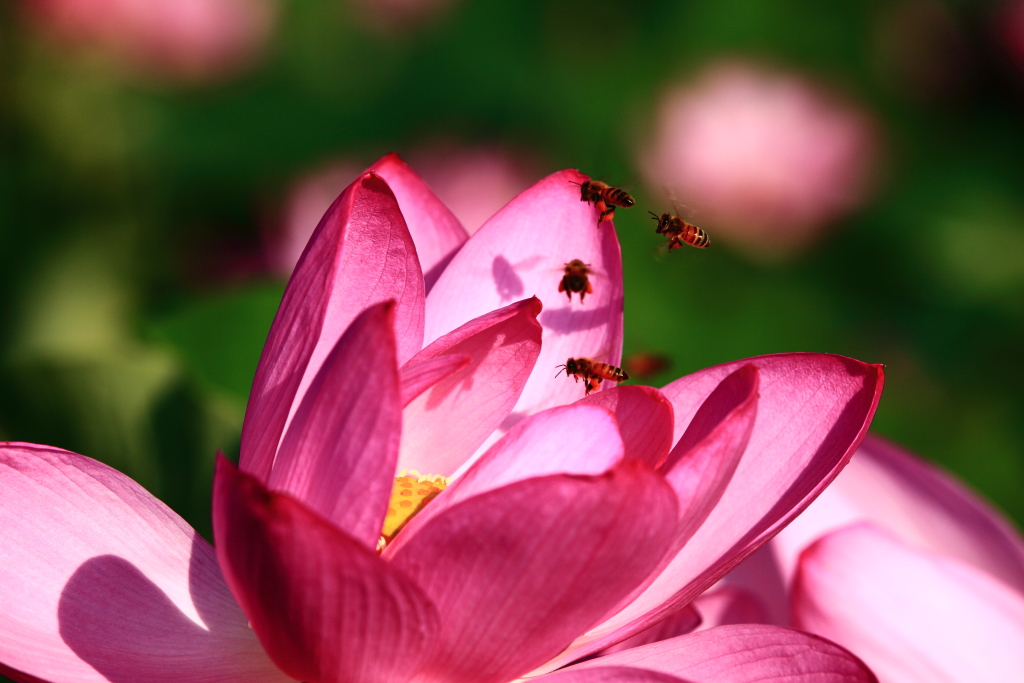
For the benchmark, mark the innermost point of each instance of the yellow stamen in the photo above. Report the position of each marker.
(411, 492)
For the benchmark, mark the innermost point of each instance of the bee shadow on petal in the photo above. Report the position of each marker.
(506, 281)
(569, 319)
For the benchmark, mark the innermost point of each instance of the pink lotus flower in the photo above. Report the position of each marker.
(402, 345)
(180, 39)
(767, 160)
(901, 564)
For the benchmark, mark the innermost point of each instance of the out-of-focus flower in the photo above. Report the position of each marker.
(546, 527)
(308, 197)
(473, 182)
(904, 566)
(1010, 29)
(178, 39)
(768, 159)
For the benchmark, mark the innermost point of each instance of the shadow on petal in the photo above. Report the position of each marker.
(116, 619)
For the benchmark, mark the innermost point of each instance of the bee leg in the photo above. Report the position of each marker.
(607, 215)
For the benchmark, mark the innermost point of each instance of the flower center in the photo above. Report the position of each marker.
(412, 491)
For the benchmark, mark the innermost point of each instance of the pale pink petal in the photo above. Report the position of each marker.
(438, 234)
(812, 413)
(728, 605)
(100, 581)
(326, 608)
(359, 255)
(522, 251)
(610, 674)
(915, 501)
(910, 615)
(747, 653)
(517, 572)
(576, 439)
(419, 375)
(338, 456)
(645, 420)
(444, 426)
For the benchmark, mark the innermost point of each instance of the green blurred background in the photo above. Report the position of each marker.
(134, 208)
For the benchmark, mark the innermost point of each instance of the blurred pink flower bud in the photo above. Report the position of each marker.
(768, 159)
(1010, 26)
(473, 181)
(177, 39)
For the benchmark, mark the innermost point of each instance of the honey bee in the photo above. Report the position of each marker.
(592, 372)
(576, 280)
(605, 198)
(678, 231)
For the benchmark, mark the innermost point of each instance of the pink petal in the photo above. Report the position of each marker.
(609, 674)
(711, 449)
(438, 234)
(100, 581)
(645, 420)
(522, 251)
(915, 501)
(911, 615)
(326, 608)
(339, 453)
(517, 572)
(577, 439)
(682, 622)
(419, 375)
(359, 255)
(728, 605)
(746, 653)
(444, 426)
(812, 412)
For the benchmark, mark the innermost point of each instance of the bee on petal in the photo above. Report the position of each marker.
(679, 231)
(605, 198)
(592, 372)
(575, 279)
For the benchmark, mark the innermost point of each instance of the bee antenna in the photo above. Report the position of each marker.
(573, 182)
(653, 215)
(560, 371)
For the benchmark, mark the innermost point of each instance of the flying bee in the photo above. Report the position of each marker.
(678, 231)
(576, 280)
(592, 372)
(605, 198)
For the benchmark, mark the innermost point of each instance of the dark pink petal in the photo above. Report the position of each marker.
(438, 234)
(444, 426)
(910, 615)
(360, 254)
(522, 251)
(812, 412)
(338, 456)
(519, 571)
(419, 375)
(100, 581)
(728, 605)
(917, 502)
(746, 653)
(325, 608)
(609, 674)
(576, 439)
(645, 420)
